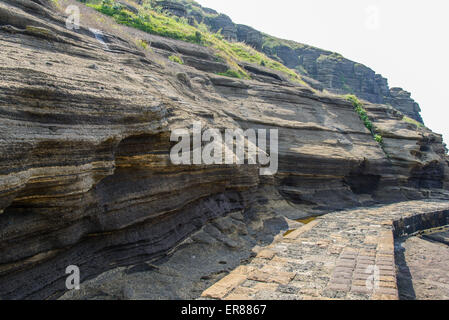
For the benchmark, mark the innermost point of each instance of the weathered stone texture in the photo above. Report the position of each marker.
(85, 175)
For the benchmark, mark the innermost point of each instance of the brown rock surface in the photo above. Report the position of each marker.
(85, 176)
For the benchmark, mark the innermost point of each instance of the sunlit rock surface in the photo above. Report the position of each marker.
(85, 174)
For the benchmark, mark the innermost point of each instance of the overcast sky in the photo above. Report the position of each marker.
(404, 40)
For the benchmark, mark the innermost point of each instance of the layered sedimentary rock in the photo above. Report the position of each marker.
(223, 24)
(401, 100)
(177, 9)
(332, 71)
(250, 36)
(85, 174)
(341, 75)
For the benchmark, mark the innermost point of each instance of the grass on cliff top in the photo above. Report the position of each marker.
(270, 43)
(175, 58)
(153, 21)
(413, 121)
(363, 115)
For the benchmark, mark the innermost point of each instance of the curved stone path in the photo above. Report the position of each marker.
(342, 255)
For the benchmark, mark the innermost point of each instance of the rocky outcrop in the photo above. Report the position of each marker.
(401, 100)
(128, 7)
(341, 76)
(223, 24)
(332, 71)
(85, 175)
(250, 36)
(172, 7)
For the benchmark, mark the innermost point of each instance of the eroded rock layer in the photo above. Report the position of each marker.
(85, 174)
(320, 68)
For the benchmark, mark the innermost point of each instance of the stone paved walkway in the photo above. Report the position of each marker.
(342, 255)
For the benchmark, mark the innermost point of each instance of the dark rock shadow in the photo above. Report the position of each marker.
(404, 276)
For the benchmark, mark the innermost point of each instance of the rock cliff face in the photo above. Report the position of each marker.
(341, 75)
(332, 71)
(85, 175)
(177, 9)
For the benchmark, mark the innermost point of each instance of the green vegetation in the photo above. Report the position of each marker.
(378, 138)
(358, 107)
(176, 59)
(40, 31)
(335, 56)
(239, 51)
(148, 21)
(142, 43)
(345, 86)
(271, 42)
(332, 56)
(152, 20)
(231, 73)
(413, 121)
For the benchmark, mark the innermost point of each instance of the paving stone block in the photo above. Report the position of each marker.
(297, 233)
(364, 266)
(387, 291)
(371, 240)
(263, 286)
(388, 284)
(266, 254)
(387, 278)
(361, 276)
(335, 249)
(224, 286)
(278, 277)
(367, 253)
(340, 280)
(366, 260)
(359, 282)
(387, 273)
(343, 269)
(338, 287)
(242, 293)
(361, 289)
(346, 263)
(243, 270)
(386, 268)
(384, 297)
(385, 263)
(342, 275)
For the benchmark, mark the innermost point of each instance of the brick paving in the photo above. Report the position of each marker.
(342, 255)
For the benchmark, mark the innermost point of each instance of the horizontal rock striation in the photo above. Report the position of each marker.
(85, 175)
(331, 70)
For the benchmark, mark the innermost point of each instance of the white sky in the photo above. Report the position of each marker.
(406, 41)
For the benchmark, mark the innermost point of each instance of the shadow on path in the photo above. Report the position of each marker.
(404, 276)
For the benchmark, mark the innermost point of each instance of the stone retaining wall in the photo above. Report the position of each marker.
(415, 223)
